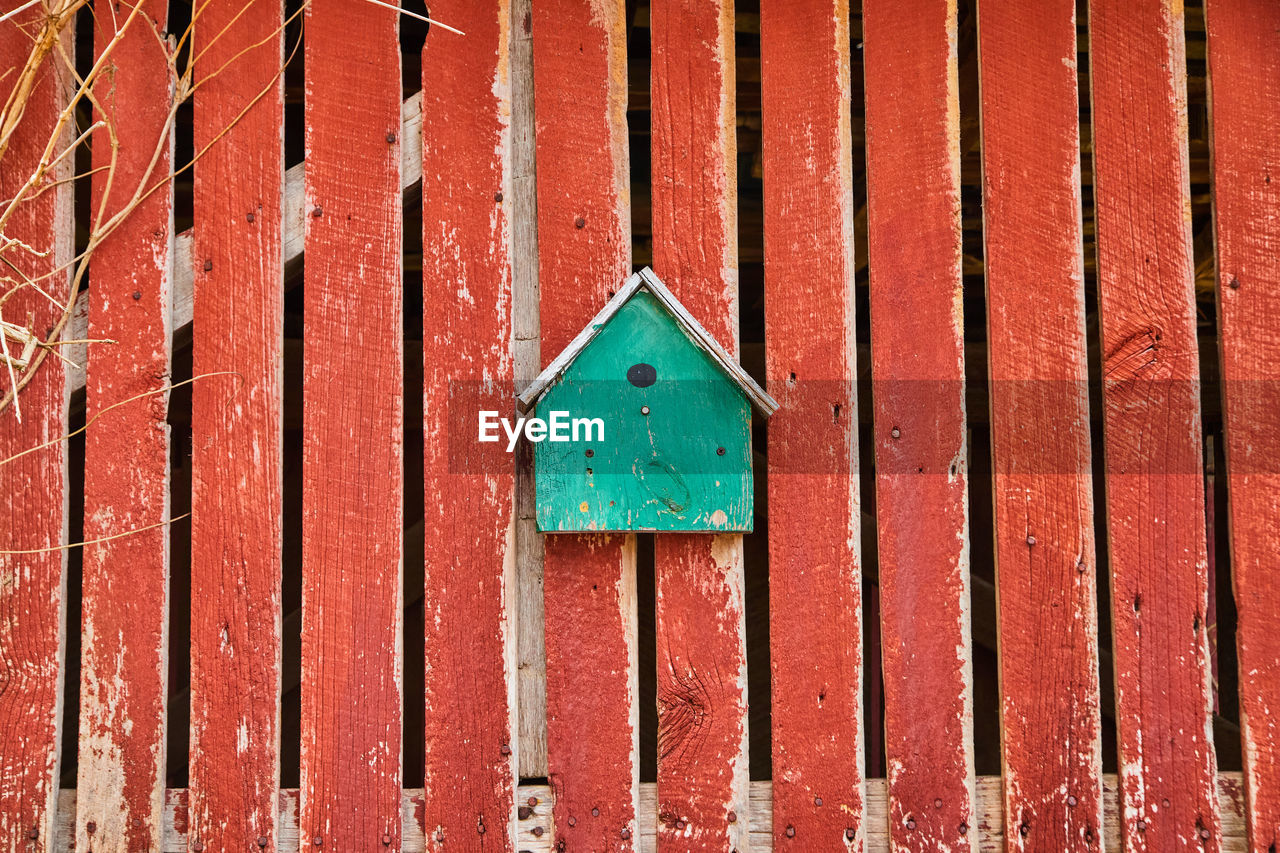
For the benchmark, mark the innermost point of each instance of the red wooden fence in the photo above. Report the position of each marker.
(499, 772)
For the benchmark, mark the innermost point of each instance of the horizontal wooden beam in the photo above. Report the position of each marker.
(294, 227)
(537, 834)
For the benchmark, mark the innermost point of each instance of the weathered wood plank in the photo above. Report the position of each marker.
(125, 599)
(236, 426)
(1151, 421)
(1244, 71)
(917, 371)
(814, 594)
(470, 491)
(34, 488)
(353, 454)
(1038, 372)
(125, 589)
(584, 243)
(700, 585)
(536, 835)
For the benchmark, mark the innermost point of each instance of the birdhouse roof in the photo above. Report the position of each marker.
(648, 280)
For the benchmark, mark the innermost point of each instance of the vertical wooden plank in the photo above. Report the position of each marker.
(917, 371)
(700, 586)
(1244, 76)
(353, 422)
(1038, 370)
(470, 491)
(236, 425)
(815, 609)
(1151, 387)
(584, 243)
(125, 600)
(33, 489)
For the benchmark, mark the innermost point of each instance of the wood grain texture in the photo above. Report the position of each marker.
(33, 489)
(1151, 420)
(699, 580)
(815, 602)
(125, 598)
(584, 246)
(353, 412)
(1244, 72)
(535, 835)
(470, 492)
(917, 371)
(700, 585)
(1046, 585)
(236, 489)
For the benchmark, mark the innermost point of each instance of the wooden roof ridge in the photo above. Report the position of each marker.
(647, 279)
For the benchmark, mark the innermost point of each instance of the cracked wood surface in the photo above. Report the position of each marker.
(917, 367)
(353, 432)
(1151, 425)
(1244, 69)
(470, 737)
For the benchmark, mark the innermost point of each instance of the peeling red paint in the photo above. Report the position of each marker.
(468, 366)
(1244, 72)
(236, 525)
(814, 596)
(125, 605)
(917, 364)
(1155, 475)
(33, 489)
(584, 249)
(1050, 714)
(701, 642)
(353, 431)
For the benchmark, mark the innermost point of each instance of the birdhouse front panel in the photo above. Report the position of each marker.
(667, 439)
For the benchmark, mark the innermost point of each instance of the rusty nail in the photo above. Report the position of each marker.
(440, 836)
(1071, 801)
(579, 222)
(1235, 283)
(505, 749)
(1165, 802)
(208, 265)
(386, 840)
(197, 847)
(590, 453)
(317, 841)
(480, 828)
(964, 828)
(317, 212)
(573, 821)
(137, 821)
(937, 802)
(497, 196)
(533, 801)
(524, 812)
(137, 294)
(733, 817)
(262, 841)
(681, 824)
(791, 832)
(249, 216)
(537, 831)
(626, 833)
(1031, 540)
(719, 451)
(33, 834)
(1024, 830)
(850, 834)
(1142, 826)
(817, 801)
(561, 846)
(595, 813)
(391, 137)
(1205, 833)
(911, 824)
(895, 432)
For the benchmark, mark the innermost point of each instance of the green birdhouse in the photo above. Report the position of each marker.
(643, 423)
